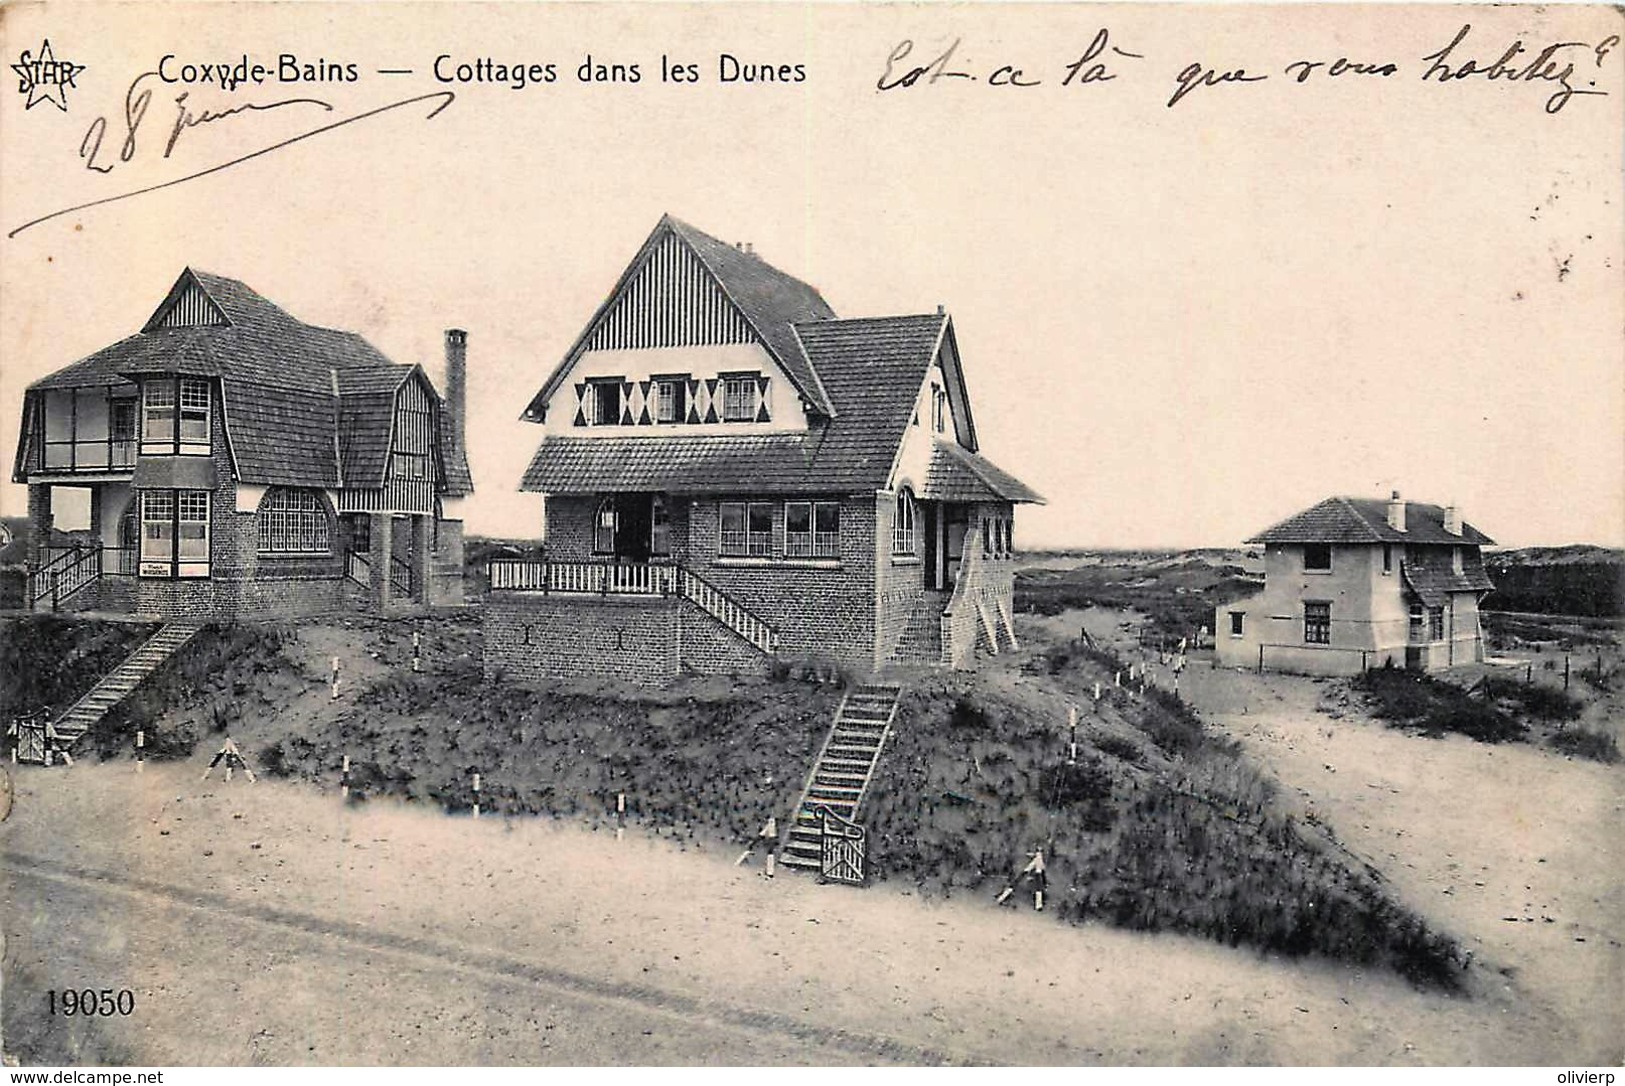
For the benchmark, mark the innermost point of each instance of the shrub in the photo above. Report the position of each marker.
(1583, 743)
(1171, 723)
(1542, 702)
(1123, 749)
(1412, 699)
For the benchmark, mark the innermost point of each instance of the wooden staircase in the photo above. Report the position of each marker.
(844, 768)
(117, 684)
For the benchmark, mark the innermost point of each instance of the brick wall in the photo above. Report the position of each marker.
(901, 581)
(706, 647)
(534, 637)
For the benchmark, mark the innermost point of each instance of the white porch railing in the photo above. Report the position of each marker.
(631, 579)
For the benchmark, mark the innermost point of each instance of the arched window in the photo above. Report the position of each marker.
(902, 527)
(603, 528)
(293, 521)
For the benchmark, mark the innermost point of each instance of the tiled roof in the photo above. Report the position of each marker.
(767, 463)
(300, 400)
(1433, 581)
(873, 368)
(956, 474)
(1365, 520)
(771, 300)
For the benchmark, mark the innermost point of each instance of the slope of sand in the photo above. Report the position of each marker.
(868, 975)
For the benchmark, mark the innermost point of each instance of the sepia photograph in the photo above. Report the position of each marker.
(738, 535)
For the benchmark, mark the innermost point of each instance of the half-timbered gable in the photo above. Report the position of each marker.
(231, 446)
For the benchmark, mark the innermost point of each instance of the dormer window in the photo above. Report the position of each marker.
(175, 416)
(739, 401)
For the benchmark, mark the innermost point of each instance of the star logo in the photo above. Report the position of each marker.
(44, 78)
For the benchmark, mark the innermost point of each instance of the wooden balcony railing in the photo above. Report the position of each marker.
(631, 579)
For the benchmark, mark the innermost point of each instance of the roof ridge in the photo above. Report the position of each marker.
(1348, 503)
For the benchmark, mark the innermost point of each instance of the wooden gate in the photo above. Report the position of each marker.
(28, 735)
(844, 849)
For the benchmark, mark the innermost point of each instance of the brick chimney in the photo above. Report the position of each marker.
(1452, 519)
(457, 385)
(1396, 512)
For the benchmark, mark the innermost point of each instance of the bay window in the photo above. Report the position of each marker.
(174, 533)
(175, 416)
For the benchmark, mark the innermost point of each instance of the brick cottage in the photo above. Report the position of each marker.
(731, 474)
(228, 460)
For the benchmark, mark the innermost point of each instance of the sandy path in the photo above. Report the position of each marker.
(1514, 849)
(680, 929)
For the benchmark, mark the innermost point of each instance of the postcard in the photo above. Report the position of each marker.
(753, 535)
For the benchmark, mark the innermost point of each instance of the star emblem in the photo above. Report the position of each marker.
(44, 78)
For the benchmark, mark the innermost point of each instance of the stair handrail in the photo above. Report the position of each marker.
(190, 629)
(728, 611)
(812, 774)
(880, 749)
(66, 574)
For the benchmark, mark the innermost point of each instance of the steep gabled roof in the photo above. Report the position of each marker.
(770, 301)
(1365, 520)
(301, 402)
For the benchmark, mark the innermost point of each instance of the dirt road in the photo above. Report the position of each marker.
(268, 923)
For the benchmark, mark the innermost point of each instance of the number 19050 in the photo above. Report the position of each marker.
(90, 1002)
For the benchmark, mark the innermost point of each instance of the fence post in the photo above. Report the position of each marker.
(476, 795)
(1565, 671)
(1261, 659)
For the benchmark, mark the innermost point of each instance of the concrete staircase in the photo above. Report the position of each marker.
(117, 685)
(843, 770)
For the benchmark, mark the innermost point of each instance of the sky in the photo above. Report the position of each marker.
(1180, 324)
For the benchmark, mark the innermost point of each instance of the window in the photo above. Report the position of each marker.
(158, 527)
(1317, 557)
(659, 526)
(175, 416)
(739, 397)
(671, 399)
(174, 533)
(293, 522)
(603, 528)
(812, 530)
(1417, 618)
(1317, 622)
(1387, 557)
(1238, 621)
(158, 405)
(193, 516)
(1458, 558)
(603, 407)
(194, 412)
(746, 530)
(939, 409)
(902, 527)
(1435, 623)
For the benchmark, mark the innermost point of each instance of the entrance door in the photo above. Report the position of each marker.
(633, 521)
(931, 516)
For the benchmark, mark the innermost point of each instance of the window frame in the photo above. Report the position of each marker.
(750, 383)
(606, 517)
(1309, 548)
(291, 516)
(659, 528)
(168, 562)
(167, 403)
(1435, 624)
(1387, 559)
(678, 384)
(813, 543)
(1317, 622)
(596, 390)
(1238, 623)
(904, 526)
(748, 542)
